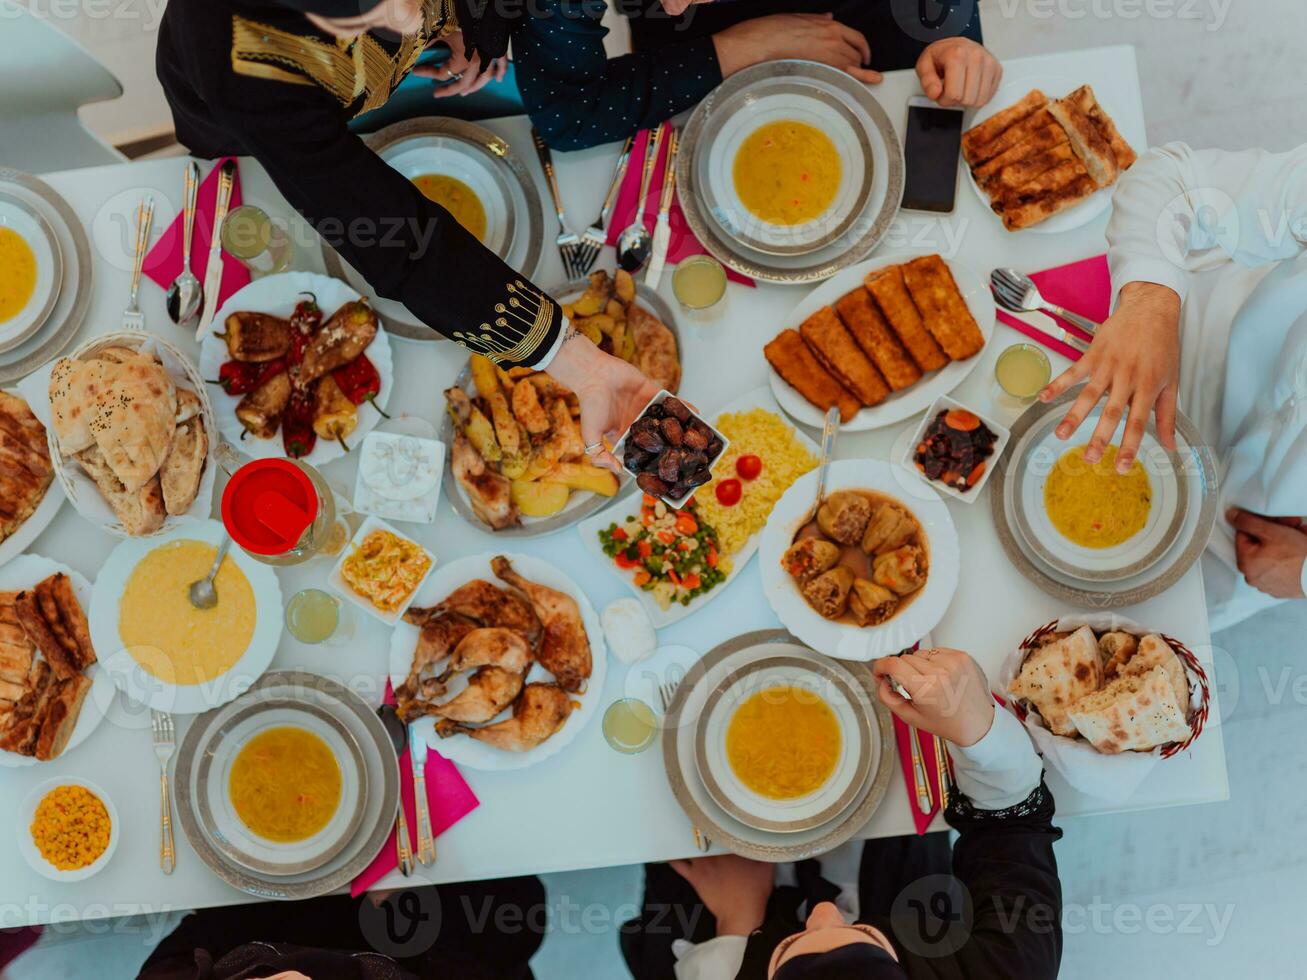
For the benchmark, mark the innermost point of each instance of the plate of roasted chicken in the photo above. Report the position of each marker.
(302, 365)
(872, 572)
(499, 662)
(28, 498)
(53, 692)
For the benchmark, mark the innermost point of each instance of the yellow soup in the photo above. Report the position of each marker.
(457, 198)
(787, 172)
(17, 273)
(169, 637)
(783, 742)
(1094, 506)
(285, 784)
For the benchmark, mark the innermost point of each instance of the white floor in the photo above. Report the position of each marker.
(1199, 892)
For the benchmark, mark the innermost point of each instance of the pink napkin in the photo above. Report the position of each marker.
(449, 800)
(681, 243)
(904, 742)
(1083, 287)
(164, 262)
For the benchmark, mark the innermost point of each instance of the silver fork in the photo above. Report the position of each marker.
(569, 242)
(666, 694)
(132, 318)
(1017, 292)
(596, 237)
(165, 740)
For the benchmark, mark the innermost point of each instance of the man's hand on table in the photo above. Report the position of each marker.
(465, 75)
(949, 692)
(1271, 552)
(1134, 360)
(611, 393)
(959, 72)
(734, 889)
(814, 37)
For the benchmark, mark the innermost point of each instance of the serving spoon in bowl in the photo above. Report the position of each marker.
(829, 430)
(186, 295)
(202, 593)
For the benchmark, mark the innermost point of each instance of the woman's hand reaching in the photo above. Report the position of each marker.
(465, 74)
(949, 694)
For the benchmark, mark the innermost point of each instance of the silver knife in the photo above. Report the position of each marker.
(1049, 327)
(417, 750)
(213, 271)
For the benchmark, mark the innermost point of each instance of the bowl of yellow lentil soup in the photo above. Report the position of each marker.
(68, 830)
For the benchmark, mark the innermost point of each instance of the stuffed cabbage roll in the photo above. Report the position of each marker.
(871, 604)
(902, 570)
(889, 528)
(843, 516)
(806, 559)
(828, 593)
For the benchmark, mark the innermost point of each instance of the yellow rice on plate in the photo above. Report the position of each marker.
(760, 433)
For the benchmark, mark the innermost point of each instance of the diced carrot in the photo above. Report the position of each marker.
(961, 419)
(647, 518)
(666, 537)
(685, 523)
(645, 547)
(624, 562)
(950, 477)
(673, 577)
(619, 534)
(641, 577)
(712, 557)
(686, 544)
(649, 501)
(974, 476)
(691, 581)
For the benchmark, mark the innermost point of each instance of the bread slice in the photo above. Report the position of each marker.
(183, 467)
(1043, 139)
(1118, 648)
(59, 718)
(135, 421)
(142, 512)
(1059, 674)
(1022, 213)
(975, 140)
(1089, 144)
(1135, 712)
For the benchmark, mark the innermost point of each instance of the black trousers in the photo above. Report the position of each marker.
(671, 909)
(486, 930)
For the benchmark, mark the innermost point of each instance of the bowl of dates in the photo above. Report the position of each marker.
(955, 449)
(670, 450)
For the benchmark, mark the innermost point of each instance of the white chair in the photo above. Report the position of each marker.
(44, 77)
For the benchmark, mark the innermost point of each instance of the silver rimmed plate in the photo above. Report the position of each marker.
(870, 225)
(778, 101)
(217, 811)
(811, 680)
(60, 327)
(1195, 466)
(380, 768)
(484, 161)
(581, 504)
(680, 724)
(1043, 452)
(20, 218)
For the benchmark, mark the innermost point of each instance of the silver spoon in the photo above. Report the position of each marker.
(186, 295)
(635, 243)
(829, 430)
(203, 594)
(398, 733)
(1017, 292)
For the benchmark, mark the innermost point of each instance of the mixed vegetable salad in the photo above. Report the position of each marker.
(673, 554)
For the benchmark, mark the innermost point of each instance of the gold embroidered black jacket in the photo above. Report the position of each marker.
(250, 77)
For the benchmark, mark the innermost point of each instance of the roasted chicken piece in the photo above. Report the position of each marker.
(260, 410)
(342, 338)
(843, 516)
(564, 649)
(480, 431)
(439, 636)
(828, 593)
(489, 691)
(655, 348)
(871, 604)
(889, 528)
(564, 441)
(529, 411)
(256, 337)
(538, 715)
(806, 559)
(902, 570)
(490, 493)
(489, 646)
(489, 605)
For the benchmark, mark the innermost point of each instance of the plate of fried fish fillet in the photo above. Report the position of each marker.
(28, 497)
(1045, 160)
(499, 662)
(881, 341)
(53, 692)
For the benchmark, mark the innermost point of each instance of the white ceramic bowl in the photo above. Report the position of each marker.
(49, 273)
(28, 847)
(944, 403)
(342, 588)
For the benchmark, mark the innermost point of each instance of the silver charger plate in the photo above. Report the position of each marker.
(582, 504)
(56, 262)
(718, 825)
(1196, 466)
(856, 243)
(69, 312)
(526, 242)
(381, 766)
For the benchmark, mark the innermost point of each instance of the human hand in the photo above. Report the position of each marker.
(1134, 360)
(1270, 552)
(958, 72)
(950, 695)
(466, 74)
(611, 393)
(814, 37)
(734, 889)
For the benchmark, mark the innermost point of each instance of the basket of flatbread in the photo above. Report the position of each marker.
(130, 429)
(1106, 699)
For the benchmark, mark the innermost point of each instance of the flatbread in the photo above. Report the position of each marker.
(1137, 712)
(1058, 675)
(1156, 652)
(135, 421)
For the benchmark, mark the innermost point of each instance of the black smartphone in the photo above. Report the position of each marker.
(931, 155)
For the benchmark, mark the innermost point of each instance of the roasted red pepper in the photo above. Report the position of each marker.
(360, 382)
(307, 316)
(297, 433)
(241, 377)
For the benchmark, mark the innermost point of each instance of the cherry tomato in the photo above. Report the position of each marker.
(729, 492)
(749, 467)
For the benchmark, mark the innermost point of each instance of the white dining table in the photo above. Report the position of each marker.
(587, 806)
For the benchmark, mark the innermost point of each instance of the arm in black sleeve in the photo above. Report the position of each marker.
(577, 96)
(409, 249)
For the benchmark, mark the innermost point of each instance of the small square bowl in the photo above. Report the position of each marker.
(676, 503)
(416, 496)
(944, 403)
(342, 588)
